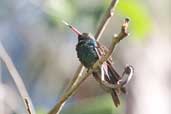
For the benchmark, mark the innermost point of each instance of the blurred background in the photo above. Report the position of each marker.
(43, 51)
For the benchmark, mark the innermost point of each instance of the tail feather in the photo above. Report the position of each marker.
(111, 76)
(112, 91)
(114, 77)
(115, 98)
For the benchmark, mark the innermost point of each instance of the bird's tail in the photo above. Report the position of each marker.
(114, 77)
(115, 97)
(113, 92)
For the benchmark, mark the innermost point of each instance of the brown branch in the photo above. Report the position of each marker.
(17, 79)
(117, 38)
(107, 17)
(77, 74)
(27, 106)
(74, 81)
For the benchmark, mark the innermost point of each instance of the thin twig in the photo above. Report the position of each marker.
(17, 79)
(107, 17)
(77, 74)
(27, 106)
(117, 38)
(70, 92)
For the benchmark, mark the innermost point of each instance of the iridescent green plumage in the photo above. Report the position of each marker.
(86, 50)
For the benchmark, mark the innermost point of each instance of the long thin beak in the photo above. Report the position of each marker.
(72, 28)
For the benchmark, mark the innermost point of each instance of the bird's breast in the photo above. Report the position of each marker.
(86, 52)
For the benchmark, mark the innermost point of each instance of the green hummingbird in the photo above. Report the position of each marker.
(89, 51)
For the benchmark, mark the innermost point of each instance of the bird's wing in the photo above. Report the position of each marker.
(113, 75)
(110, 74)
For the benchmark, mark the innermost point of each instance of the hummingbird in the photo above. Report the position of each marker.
(89, 51)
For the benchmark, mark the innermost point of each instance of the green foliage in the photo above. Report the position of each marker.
(140, 25)
(98, 105)
(40, 111)
(59, 10)
(141, 22)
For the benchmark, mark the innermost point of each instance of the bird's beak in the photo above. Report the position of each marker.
(72, 28)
